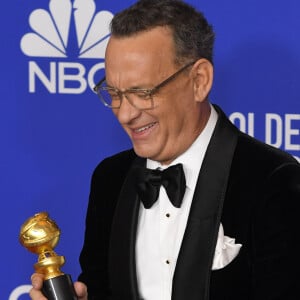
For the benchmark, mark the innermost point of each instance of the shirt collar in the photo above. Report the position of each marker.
(192, 158)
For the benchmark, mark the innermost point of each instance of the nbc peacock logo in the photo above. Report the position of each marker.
(67, 30)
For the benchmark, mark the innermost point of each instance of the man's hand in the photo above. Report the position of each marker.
(37, 282)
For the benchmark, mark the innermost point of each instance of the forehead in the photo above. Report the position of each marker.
(154, 45)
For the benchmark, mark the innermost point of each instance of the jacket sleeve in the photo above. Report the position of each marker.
(106, 183)
(276, 238)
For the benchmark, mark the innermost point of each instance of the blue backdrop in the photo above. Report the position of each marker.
(54, 130)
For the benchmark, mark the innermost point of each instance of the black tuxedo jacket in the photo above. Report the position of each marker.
(251, 188)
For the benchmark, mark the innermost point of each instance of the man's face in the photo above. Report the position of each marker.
(143, 61)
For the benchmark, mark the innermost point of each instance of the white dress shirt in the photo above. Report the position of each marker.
(161, 228)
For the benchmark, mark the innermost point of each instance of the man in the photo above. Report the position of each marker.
(234, 235)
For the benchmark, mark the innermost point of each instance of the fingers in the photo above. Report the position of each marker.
(37, 282)
(36, 294)
(81, 290)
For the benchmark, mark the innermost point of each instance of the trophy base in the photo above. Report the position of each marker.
(59, 288)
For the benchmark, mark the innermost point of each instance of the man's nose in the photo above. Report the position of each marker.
(127, 112)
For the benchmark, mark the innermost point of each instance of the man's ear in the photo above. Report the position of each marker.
(202, 76)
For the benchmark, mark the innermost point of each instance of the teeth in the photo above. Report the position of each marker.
(144, 128)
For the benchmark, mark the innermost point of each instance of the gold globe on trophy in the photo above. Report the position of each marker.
(40, 235)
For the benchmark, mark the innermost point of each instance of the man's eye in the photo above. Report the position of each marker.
(114, 95)
(142, 95)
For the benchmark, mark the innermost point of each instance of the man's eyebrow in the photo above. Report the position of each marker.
(135, 87)
(139, 88)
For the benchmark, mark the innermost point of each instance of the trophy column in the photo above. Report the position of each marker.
(40, 235)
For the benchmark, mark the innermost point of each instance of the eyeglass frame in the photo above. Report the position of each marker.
(148, 92)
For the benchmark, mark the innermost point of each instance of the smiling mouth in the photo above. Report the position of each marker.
(142, 129)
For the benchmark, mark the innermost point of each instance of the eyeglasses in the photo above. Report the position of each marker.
(139, 98)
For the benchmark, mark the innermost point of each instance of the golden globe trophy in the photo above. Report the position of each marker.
(39, 234)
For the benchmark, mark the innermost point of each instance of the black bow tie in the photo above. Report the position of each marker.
(148, 184)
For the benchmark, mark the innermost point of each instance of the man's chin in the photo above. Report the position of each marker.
(142, 152)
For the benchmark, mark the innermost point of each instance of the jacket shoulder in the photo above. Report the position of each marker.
(259, 153)
(116, 164)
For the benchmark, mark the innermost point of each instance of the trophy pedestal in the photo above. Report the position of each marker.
(59, 288)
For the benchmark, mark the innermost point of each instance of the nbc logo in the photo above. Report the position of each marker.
(19, 292)
(56, 33)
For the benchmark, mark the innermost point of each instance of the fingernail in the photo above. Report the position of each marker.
(34, 283)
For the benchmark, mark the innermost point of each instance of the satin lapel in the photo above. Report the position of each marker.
(192, 273)
(122, 269)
